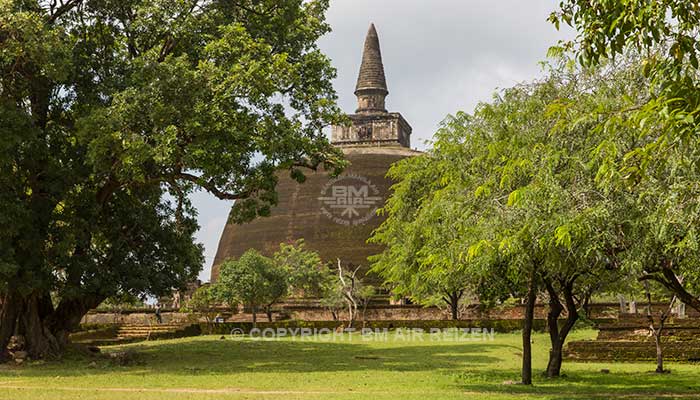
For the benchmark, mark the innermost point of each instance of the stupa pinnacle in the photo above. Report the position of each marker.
(371, 124)
(371, 88)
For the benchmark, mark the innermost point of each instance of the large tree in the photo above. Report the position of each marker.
(515, 196)
(650, 149)
(113, 112)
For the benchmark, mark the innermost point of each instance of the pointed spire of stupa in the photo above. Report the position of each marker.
(371, 88)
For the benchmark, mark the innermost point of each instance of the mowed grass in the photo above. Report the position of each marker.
(397, 366)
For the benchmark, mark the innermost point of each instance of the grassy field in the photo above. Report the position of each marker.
(337, 367)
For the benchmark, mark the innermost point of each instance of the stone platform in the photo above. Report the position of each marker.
(628, 339)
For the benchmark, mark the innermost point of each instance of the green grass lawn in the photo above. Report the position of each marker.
(349, 367)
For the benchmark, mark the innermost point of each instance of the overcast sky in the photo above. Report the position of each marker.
(440, 56)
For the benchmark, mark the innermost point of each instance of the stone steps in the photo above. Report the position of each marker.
(148, 331)
(630, 350)
(134, 333)
(641, 334)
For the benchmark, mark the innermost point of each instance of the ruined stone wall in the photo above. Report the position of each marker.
(374, 313)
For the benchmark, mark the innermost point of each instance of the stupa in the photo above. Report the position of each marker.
(336, 216)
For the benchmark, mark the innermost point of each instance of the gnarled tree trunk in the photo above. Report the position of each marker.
(10, 307)
(557, 335)
(40, 342)
(45, 328)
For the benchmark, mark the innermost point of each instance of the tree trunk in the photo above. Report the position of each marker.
(527, 329)
(557, 335)
(268, 311)
(662, 321)
(67, 315)
(659, 352)
(555, 310)
(40, 342)
(452, 300)
(351, 313)
(255, 316)
(657, 342)
(9, 311)
(45, 329)
(210, 324)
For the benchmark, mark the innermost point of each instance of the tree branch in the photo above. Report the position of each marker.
(62, 9)
(211, 187)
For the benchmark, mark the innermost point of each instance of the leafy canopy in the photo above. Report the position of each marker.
(253, 280)
(650, 148)
(308, 275)
(113, 112)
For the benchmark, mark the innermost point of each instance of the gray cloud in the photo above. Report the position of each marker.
(440, 56)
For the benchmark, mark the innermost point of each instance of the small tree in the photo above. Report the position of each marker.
(423, 259)
(276, 287)
(307, 274)
(365, 294)
(656, 329)
(332, 298)
(349, 282)
(353, 291)
(203, 301)
(253, 280)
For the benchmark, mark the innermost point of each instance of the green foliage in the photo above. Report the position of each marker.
(366, 292)
(510, 196)
(253, 280)
(204, 301)
(512, 185)
(649, 149)
(308, 275)
(114, 112)
(424, 258)
(332, 297)
(122, 301)
(610, 28)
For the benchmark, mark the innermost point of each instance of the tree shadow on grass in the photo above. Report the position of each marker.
(477, 367)
(591, 384)
(261, 356)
